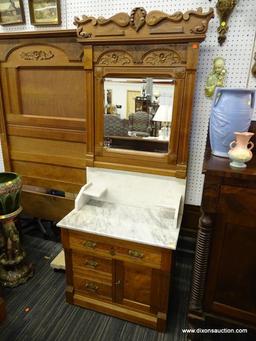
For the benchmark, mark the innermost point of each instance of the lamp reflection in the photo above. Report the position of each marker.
(164, 116)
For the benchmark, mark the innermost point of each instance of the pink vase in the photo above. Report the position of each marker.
(240, 150)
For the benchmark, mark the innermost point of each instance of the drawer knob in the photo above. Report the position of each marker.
(90, 244)
(136, 253)
(91, 263)
(90, 286)
(112, 251)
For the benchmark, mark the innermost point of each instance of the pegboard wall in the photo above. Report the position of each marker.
(237, 51)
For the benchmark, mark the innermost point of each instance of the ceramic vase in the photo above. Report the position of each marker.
(240, 151)
(231, 111)
(13, 269)
(10, 190)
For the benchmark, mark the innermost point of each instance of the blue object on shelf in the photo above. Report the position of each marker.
(231, 111)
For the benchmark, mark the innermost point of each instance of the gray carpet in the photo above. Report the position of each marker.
(51, 318)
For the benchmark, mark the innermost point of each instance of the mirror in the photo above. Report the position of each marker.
(138, 113)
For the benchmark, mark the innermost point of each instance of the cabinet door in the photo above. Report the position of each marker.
(132, 285)
(141, 287)
(231, 278)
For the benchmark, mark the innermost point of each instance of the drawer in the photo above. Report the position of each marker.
(89, 262)
(92, 287)
(117, 249)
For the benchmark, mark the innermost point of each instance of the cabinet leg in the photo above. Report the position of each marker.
(200, 266)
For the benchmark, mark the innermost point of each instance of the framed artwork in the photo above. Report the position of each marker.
(44, 12)
(11, 12)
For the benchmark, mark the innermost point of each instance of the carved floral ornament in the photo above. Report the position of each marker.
(160, 57)
(37, 55)
(139, 18)
(115, 58)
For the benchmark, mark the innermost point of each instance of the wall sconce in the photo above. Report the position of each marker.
(254, 66)
(224, 10)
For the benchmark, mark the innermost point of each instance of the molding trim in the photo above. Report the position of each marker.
(38, 34)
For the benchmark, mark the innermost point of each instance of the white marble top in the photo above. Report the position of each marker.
(148, 225)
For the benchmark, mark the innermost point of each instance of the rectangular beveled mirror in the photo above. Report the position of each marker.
(138, 113)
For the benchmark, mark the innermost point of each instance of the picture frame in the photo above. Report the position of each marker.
(11, 12)
(44, 12)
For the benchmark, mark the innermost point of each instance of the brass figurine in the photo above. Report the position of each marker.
(216, 77)
(224, 10)
(254, 67)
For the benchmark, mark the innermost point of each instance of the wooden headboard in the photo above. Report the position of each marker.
(43, 117)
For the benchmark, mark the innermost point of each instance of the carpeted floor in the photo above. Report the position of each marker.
(51, 318)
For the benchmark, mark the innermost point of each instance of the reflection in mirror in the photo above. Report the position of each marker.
(138, 113)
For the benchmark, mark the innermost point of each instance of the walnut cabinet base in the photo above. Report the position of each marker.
(124, 279)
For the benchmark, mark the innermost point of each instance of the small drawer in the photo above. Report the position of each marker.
(113, 248)
(89, 262)
(139, 255)
(89, 244)
(92, 287)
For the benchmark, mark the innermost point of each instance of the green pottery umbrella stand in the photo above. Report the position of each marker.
(13, 269)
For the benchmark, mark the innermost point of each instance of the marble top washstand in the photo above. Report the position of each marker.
(130, 206)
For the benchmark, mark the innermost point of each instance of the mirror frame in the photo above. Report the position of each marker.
(102, 152)
(154, 45)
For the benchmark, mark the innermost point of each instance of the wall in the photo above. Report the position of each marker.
(237, 51)
(119, 95)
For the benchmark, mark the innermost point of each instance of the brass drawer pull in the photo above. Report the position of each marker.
(136, 253)
(90, 286)
(112, 251)
(91, 263)
(90, 244)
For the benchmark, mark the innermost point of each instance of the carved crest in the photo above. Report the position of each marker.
(37, 55)
(202, 28)
(154, 24)
(121, 19)
(155, 17)
(137, 18)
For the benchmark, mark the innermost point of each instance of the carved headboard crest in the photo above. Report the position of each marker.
(141, 26)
